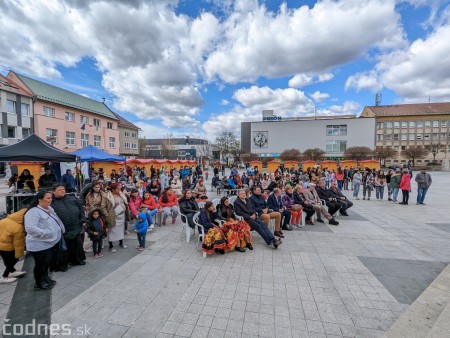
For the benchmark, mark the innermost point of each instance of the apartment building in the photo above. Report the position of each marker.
(16, 112)
(407, 125)
(70, 121)
(128, 138)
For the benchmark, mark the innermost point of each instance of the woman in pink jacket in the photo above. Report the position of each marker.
(134, 203)
(405, 186)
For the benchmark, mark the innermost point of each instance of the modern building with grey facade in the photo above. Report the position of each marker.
(175, 148)
(333, 134)
(16, 106)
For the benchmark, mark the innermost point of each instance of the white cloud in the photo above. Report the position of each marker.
(300, 41)
(348, 108)
(224, 102)
(325, 77)
(319, 97)
(300, 80)
(367, 80)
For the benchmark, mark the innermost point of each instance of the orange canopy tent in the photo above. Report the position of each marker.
(256, 164)
(348, 163)
(331, 165)
(308, 164)
(272, 166)
(290, 164)
(372, 164)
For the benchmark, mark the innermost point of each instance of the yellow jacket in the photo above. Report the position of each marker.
(12, 234)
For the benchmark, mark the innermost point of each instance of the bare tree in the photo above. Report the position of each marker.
(291, 155)
(413, 153)
(382, 153)
(358, 153)
(435, 149)
(228, 144)
(313, 154)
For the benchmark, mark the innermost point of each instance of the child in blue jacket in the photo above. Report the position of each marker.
(140, 228)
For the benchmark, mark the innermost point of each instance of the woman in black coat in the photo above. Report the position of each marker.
(188, 206)
(71, 212)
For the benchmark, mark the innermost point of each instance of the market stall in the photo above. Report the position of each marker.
(308, 164)
(331, 165)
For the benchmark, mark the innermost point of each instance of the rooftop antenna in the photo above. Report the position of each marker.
(378, 98)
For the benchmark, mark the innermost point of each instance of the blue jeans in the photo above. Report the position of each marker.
(141, 240)
(261, 228)
(379, 192)
(150, 214)
(356, 189)
(340, 184)
(421, 192)
(395, 194)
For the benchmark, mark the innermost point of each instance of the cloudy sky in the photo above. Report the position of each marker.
(199, 67)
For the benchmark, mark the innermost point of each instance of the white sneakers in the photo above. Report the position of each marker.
(4, 280)
(17, 274)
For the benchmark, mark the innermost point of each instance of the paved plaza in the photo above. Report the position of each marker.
(351, 280)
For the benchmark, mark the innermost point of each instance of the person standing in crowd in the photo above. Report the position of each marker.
(340, 178)
(188, 207)
(97, 230)
(12, 245)
(69, 181)
(48, 179)
(44, 232)
(356, 184)
(96, 198)
(368, 183)
(243, 207)
(141, 228)
(169, 204)
(71, 212)
(122, 215)
(388, 183)
(380, 182)
(424, 181)
(395, 184)
(405, 186)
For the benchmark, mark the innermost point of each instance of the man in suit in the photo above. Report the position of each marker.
(274, 203)
(243, 207)
(263, 212)
(340, 199)
(314, 200)
(326, 195)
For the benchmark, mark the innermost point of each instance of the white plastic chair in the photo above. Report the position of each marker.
(185, 228)
(201, 234)
(232, 199)
(216, 202)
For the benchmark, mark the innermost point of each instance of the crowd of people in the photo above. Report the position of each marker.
(54, 227)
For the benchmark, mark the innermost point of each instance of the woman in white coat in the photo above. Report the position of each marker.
(120, 203)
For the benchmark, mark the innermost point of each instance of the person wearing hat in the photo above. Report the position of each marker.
(314, 200)
(47, 179)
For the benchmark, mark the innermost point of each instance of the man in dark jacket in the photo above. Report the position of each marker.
(48, 179)
(70, 210)
(243, 207)
(325, 194)
(69, 181)
(264, 212)
(274, 203)
(340, 199)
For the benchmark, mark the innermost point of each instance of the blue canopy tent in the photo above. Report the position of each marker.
(93, 154)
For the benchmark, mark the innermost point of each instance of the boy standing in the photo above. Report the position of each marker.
(140, 228)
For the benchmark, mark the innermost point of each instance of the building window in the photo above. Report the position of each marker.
(443, 123)
(84, 119)
(403, 148)
(52, 135)
(427, 124)
(127, 134)
(96, 122)
(419, 137)
(70, 138)
(50, 112)
(411, 137)
(388, 124)
(380, 137)
(336, 146)
(379, 125)
(404, 124)
(395, 137)
(70, 117)
(426, 137)
(134, 134)
(112, 141)
(412, 124)
(443, 136)
(97, 141)
(25, 109)
(11, 132)
(388, 137)
(338, 130)
(109, 125)
(26, 132)
(419, 124)
(435, 136)
(403, 137)
(396, 124)
(84, 140)
(435, 124)
(11, 106)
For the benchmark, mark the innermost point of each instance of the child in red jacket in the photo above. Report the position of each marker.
(169, 204)
(405, 186)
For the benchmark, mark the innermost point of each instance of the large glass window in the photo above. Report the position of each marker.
(388, 124)
(11, 106)
(70, 116)
(419, 136)
(427, 124)
(396, 124)
(97, 122)
(25, 109)
(380, 137)
(337, 130)
(11, 132)
(26, 132)
(404, 137)
(112, 142)
(52, 135)
(426, 137)
(435, 123)
(336, 146)
(395, 137)
(412, 124)
(411, 137)
(70, 138)
(84, 119)
(404, 124)
(50, 112)
(419, 124)
(443, 123)
(109, 125)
